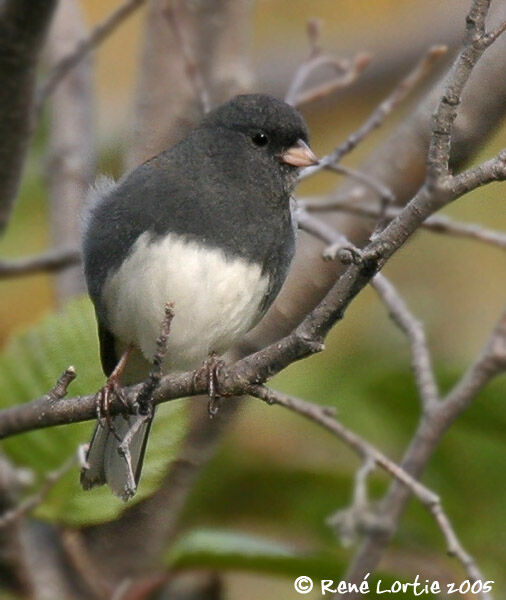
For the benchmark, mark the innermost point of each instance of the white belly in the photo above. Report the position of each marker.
(216, 299)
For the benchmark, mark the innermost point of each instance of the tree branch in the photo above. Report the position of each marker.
(175, 18)
(421, 359)
(420, 355)
(431, 428)
(380, 113)
(435, 223)
(348, 70)
(82, 49)
(476, 42)
(51, 261)
(23, 28)
(368, 452)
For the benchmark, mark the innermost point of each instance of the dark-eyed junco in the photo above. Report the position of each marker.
(206, 225)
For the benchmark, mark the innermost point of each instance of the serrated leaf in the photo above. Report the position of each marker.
(29, 367)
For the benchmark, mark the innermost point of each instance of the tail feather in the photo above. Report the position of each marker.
(105, 463)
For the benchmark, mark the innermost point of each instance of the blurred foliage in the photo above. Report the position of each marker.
(223, 549)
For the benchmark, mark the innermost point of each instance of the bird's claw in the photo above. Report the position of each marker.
(112, 389)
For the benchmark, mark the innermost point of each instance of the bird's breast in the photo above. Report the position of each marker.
(216, 298)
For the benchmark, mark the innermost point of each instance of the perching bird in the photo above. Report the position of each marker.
(206, 225)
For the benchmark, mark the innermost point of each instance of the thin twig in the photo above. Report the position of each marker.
(348, 70)
(381, 112)
(399, 311)
(367, 451)
(53, 260)
(307, 68)
(489, 171)
(477, 41)
(435, 223)
(489, 363)
(360, 516)
(420, 355)
(155, 374)
(353, 71)
(144, 401)
(339, 245)
(28, 504)
(174, 18)
(83, 48)
(378, 187)
(60, 389)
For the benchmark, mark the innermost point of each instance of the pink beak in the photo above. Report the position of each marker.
(299, 155)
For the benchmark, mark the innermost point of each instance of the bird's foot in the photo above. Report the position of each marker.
(210, 370)
(111, 390)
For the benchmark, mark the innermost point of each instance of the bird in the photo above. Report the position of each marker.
(208, 225)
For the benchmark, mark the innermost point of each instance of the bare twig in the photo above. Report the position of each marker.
(60, 389)
(306, 68)
(360, 516)
(144, 401)
(155, 374)
(51, 261)
(421, 359)
(174, 16)
(435, 223)
(490, 363)
(491, 36)
(477, 41)
(33, 501)
(348, 70)
(381, 112)
(322, 416)
(420, 355)
(100, 33)
(491, 170)
(431, 428)
(384, 193)
(369, 453)
(166, 105)
(339, 245)
(353, 70)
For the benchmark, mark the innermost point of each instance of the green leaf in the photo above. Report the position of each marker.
(223, 549)
(228, 550)
(29, 367)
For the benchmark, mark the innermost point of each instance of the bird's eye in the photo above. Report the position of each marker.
(260, 139)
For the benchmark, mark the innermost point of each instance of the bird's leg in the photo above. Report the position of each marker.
(112, 389)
